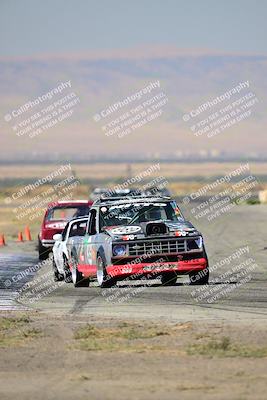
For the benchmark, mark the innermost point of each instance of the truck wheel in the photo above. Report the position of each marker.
(67, 271)
(43, 251)
(196, 278)
(57, 276)
(168, 278)
(200, 278)
(104, 280)
(77, 278)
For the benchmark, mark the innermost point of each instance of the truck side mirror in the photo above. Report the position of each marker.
(57, 237)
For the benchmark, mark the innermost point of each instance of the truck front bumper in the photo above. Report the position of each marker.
(157, 268)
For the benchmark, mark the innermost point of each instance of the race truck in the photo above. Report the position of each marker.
(142, 237)
(55, 219)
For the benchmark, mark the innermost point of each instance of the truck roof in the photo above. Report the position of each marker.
(129, 199)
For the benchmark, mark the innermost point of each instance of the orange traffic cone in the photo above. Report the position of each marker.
(28, 233)
(20, 237)
(2, 240)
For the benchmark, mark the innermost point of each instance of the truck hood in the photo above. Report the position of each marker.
(138, 231)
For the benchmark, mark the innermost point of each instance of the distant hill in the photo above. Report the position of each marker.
(100, 80)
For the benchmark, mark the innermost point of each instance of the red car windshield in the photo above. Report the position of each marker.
(66, 213)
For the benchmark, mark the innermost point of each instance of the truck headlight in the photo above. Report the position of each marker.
(119, 250)
(199, 242)
(195, 244)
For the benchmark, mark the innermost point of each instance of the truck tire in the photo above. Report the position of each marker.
(104, 280)
(196, 279)
(67, 271)
(168, 278)
(77, 278)
(57, 276)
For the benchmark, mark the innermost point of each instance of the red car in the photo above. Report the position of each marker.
(55, 219)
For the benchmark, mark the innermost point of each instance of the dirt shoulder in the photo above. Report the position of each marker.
(80, 357)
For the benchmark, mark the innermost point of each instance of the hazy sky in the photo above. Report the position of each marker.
(29, 27)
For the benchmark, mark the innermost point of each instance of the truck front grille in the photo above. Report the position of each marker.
(162, 246)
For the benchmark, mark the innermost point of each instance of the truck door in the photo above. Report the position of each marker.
(90, 245)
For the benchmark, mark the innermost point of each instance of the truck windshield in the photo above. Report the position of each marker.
(135, 213)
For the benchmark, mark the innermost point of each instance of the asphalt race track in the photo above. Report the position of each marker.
(237, 290)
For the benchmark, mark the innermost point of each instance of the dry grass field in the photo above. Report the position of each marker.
(181, 178)
(152, 360)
